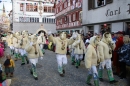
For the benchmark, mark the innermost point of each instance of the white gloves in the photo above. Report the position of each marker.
(74, 36)
(41, 58)
(49, 32)
(31, 43)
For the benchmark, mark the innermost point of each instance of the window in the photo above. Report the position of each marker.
(53, 10)
(65, 19)
(97, 3)
(91, 29)
(31, 7)
(28, 19)
(60, 7)
(49, 9)
(65, 5)
(69, 18)
(105, 27)
(27, 7)
(74, 17)
(45, 9)
(35, 7)
(21, 6)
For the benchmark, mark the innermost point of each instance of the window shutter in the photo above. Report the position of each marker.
(109, 1)
(77, 16)
(91, 4)
(71, 17)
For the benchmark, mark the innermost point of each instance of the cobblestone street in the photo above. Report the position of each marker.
(48, 75)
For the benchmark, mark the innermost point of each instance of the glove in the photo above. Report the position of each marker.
(49, 32)
(74, 36)
(31, 43)
(41, 58)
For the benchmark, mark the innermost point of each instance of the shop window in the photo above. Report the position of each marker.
(91, 30)
(69, 18)
(21, 6)
(105, 28)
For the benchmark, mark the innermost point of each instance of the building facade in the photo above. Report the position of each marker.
(30, 14)
(114, 13)
(68, 15)
(4, 20)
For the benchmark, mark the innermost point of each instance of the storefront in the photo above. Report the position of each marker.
(116, 15)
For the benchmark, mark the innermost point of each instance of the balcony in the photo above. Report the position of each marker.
(69, 25)
(69, 9)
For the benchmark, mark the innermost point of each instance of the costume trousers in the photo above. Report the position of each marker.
(93, 73)
(16, 53)
(33, 62)
(42, 46)
(107, 63)
(72, 56)
(62, 61)
(23, 55)
(12, 49)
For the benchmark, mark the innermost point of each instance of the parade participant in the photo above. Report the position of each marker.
(34, 52)
(23, 41)
(79, 49)
(41, 41)
(9, 66)
(71, 50)
(91, 60)
(104, 52)
(16, 43)
(10, 44)
(61, 44)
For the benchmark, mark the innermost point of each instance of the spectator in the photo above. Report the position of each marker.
(128, 30)
(9, 66)
(119, 44)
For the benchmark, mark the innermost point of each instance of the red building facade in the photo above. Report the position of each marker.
(68, 15)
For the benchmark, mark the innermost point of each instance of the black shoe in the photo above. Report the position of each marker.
(72, 63)
(115, 73)
(62, 75)
(77, 67)
(31, 72)
(63, 71)
(114, 81)
(101, 79)
(23, 64)
(89, 84)
(36, 78)
(27, 62)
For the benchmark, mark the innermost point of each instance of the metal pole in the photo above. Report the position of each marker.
(12, 15)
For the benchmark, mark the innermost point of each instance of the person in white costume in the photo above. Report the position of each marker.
(91, 60)
(24, 40)
(41, 41)
(34, 52)
(16, 43)
(10, 43)
(104, 50)
(79, 49)
(61, 43)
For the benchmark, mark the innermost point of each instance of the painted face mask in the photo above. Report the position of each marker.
(62, 36)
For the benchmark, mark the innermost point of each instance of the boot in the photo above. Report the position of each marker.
(27, 59)
(11, 52)
(23, 61)
(34, 72)
(60, 70)
(110, 76)
(96, 82)
(16, 56)
(11, 75)
(100, 74)
(77, 64)
(88, 81)
(73, 60)
(43, 51)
